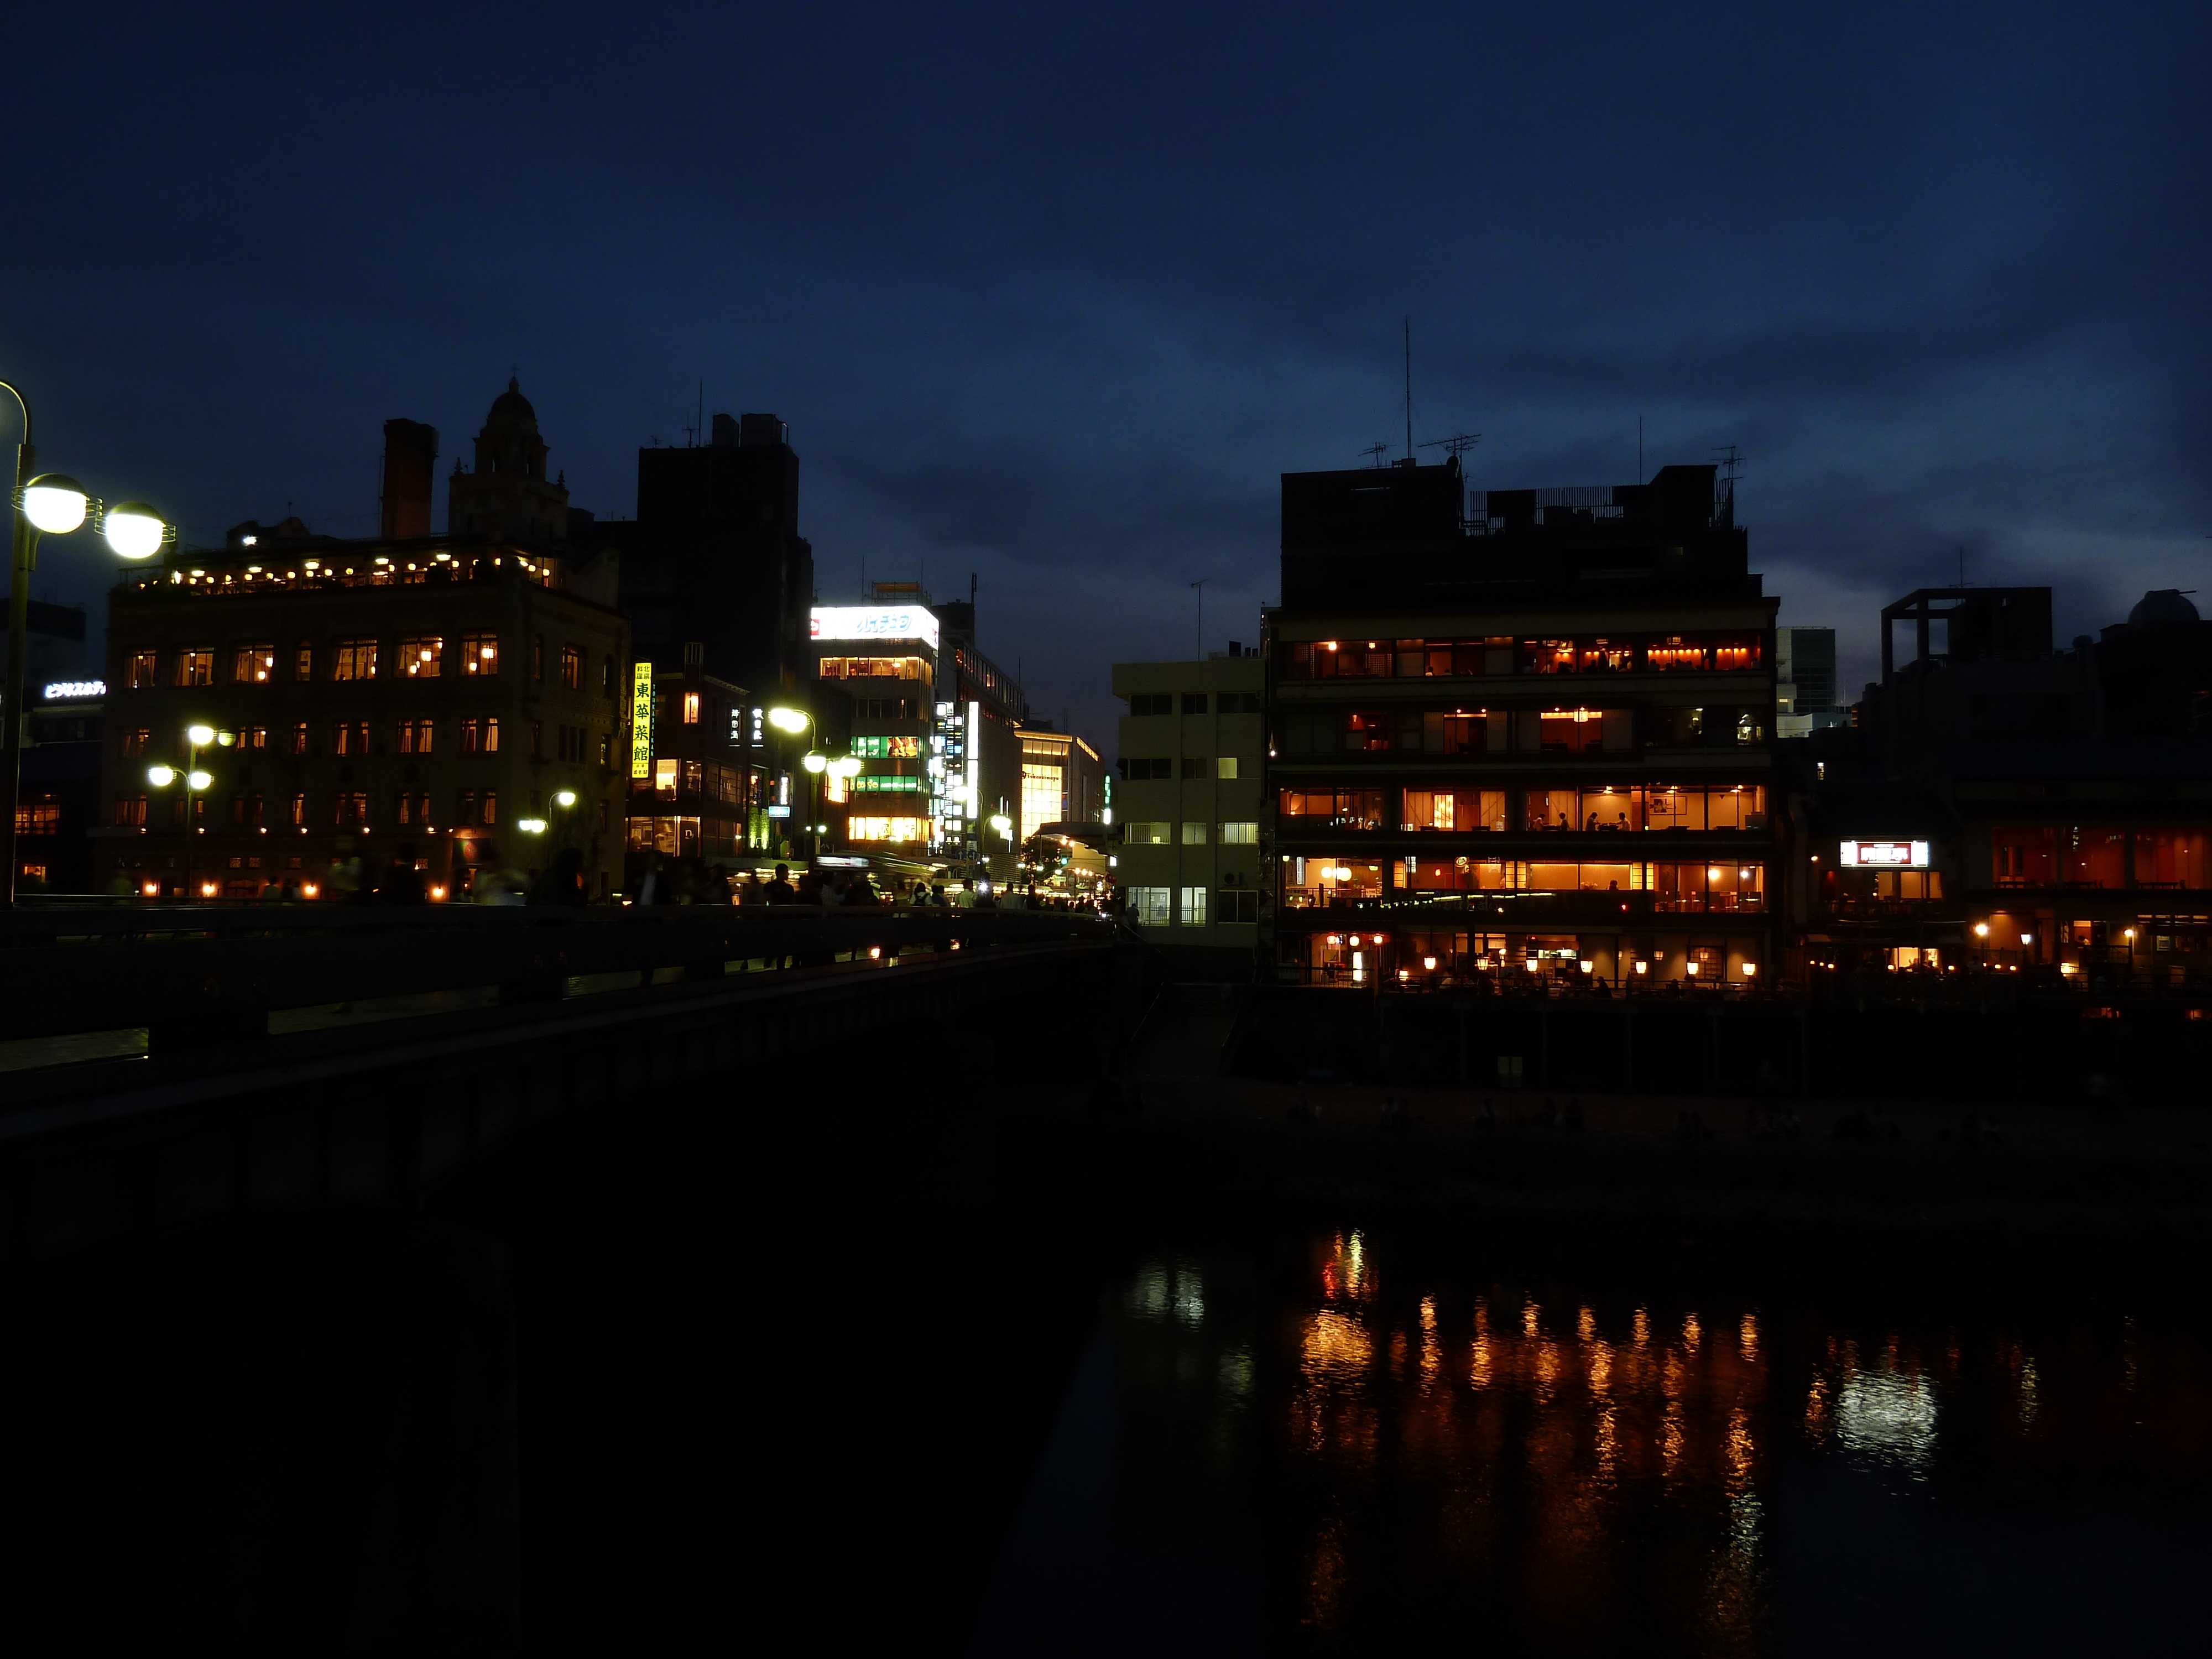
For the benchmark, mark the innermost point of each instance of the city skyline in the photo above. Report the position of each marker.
(1059, 307)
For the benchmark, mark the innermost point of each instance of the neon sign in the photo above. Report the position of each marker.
(1885, 855)
(879, 621)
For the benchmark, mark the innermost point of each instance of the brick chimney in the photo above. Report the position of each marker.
(410, 451)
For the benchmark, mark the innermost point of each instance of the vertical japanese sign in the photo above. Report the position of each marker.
(640, 720)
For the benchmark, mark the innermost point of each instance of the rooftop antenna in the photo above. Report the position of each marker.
(1456, 446)
(1409, 391)
(699, 427)
(1731, 464)
(1200, 586)
(1375, 452)
(1639, 449)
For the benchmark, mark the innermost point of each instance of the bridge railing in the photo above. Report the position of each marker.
(192, 974)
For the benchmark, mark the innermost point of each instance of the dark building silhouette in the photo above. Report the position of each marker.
(508, 496)
(1530, 730)
(2003, 803)
(60, 754)
(715, 557)
(411, 457)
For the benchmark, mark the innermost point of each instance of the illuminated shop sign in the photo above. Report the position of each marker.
(56, 690)
(1885, 855)
(640, 720)
(875, 622)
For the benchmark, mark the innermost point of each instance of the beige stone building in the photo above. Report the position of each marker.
(1188, 802)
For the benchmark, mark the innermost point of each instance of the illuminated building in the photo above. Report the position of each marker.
(990, 706)
(2003, 805)
(1189, 803)
(60, 802)
(440, 693)
(697, 787)
(882, 660)
(1522, 733)
(1063, 780)
(936, 729)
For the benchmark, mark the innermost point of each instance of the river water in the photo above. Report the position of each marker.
(1345, 1442)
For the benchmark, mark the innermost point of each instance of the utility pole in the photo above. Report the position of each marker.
(1409, 391)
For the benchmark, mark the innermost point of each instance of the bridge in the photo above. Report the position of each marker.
(173, 1065)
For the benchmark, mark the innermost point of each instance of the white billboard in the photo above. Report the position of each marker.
(875, 622)
(1885, 855)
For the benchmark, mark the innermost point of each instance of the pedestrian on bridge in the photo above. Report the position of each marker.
(401, 883)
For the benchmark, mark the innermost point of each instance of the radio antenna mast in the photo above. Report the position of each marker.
(1375, 452)
(1409, 391)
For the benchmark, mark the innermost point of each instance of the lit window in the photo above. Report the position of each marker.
(1149, 907)
(1224, 766)
(690, 707)
(480, 654)
(254, 665)
(1144, 835)
(354, 660)
(421, 656)
(1194, 834)
(1240, 833)
(1190, 909)
(195, 667)
(142, 670)
(572, 668)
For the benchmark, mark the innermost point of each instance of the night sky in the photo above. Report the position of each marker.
(1055, 296)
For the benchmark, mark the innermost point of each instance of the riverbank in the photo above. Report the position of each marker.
(1808, 1181)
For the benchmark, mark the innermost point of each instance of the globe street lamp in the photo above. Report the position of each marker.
(51, 504)
(792, 721)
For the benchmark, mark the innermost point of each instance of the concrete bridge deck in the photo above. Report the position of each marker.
(357, 1058)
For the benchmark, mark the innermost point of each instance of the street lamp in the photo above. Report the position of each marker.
(792, 721)
(48, 504)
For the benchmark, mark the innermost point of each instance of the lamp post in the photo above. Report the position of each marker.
(53, 505)
(792, 722)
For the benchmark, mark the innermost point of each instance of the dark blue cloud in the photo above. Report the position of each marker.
(1055, 296)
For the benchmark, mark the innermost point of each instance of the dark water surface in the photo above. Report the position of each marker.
(1348, 1443)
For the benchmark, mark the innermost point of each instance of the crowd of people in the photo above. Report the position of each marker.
(355, 877)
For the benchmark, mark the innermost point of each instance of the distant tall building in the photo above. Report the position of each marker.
(715, 557)
(1805, 681)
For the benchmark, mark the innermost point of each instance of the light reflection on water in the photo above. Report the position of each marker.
(1394, 1453)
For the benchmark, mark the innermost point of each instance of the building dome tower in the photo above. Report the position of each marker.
(509, 495)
